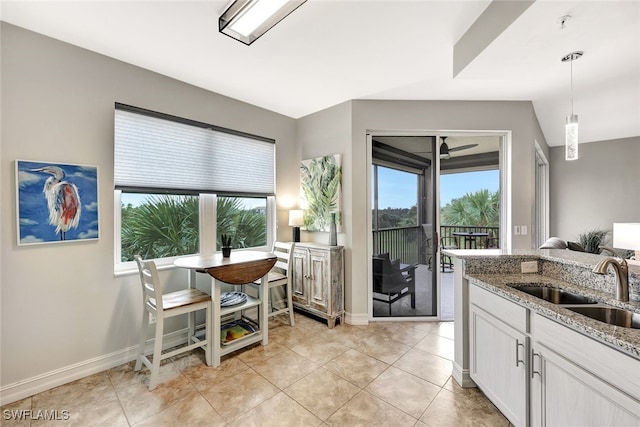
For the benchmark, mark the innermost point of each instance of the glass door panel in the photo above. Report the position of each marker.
(404, 279)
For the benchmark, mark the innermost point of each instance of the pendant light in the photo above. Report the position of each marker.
(571, 126)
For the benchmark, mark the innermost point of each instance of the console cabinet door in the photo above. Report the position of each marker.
(564, 394)
(498, 364)
(300, 272)
(319, 281)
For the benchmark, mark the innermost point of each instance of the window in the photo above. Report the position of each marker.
(180, 184)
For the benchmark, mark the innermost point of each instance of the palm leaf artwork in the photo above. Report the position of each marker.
(321, 179)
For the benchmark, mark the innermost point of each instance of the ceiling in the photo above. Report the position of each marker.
(330, 51)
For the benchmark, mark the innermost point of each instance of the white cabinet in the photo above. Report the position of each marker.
(539, 372)
(498, 359)
(318, 280)
(576, 381)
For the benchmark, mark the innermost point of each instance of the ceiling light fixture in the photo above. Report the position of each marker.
(247, 20)
(444, 149)
(571, 127)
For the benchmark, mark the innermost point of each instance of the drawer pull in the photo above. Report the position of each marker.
(518, 360)
(533, 365)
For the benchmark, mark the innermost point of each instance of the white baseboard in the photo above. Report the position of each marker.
(462, 377)
(43, 382)
(358, 319)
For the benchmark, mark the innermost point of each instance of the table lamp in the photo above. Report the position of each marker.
(296, 220)
(627, 236)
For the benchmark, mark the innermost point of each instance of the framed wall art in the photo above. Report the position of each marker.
(321, 192)
(56, 202)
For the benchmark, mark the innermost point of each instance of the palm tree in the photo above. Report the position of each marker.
(481, 209)
(163, 226)
(168, 225)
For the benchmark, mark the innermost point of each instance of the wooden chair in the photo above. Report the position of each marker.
(393, 280)
(280, 275)
(168, 305)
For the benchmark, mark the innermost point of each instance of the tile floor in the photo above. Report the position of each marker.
(384, 374)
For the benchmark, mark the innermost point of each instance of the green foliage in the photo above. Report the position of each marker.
(397, 217)
(248, 228)
(320, 183)
(163, 226)
(481, 209)
(168, 225)
(225, 240)
(592, 240)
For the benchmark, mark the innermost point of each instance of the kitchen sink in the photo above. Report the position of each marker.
(555, 295)
(610, 315)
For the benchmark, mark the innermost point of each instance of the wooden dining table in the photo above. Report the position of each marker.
(242, 267)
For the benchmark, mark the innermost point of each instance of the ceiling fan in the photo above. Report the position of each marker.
(445, 151)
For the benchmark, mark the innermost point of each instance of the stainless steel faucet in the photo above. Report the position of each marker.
(621, 268)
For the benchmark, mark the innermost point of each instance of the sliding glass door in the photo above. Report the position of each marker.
(404, 265)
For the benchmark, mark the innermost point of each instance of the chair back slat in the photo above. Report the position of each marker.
(151, 286)
(284, 252)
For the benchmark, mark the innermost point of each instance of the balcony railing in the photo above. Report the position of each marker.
(410, 245)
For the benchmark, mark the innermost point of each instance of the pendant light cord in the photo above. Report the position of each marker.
(571, 87)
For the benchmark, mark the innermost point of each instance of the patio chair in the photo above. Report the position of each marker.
(447, 242)
(392, 280)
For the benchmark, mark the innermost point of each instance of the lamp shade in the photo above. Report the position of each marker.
(295, 218)
(626, 236)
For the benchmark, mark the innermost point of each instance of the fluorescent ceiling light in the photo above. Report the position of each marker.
(246, 20)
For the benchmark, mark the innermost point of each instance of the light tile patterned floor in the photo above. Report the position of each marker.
(384, 374)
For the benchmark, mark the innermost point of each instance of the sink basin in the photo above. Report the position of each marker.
(555, 295)
(610, 315)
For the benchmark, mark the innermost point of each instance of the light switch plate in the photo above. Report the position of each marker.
(523, 230)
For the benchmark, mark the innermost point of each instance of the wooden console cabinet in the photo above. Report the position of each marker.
(318, 281)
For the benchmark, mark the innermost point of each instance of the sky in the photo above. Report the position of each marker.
(395, 186)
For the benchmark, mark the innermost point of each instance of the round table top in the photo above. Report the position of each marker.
(238, 269)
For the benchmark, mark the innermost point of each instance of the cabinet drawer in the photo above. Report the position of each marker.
(509, 312)
(608, 364)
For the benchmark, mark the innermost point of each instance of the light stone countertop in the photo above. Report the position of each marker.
(620, 338)
(623, 339)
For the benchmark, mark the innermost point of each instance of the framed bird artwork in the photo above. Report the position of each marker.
(56, 202)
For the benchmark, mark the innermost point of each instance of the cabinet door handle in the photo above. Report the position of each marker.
(533, 364)
(518, 360)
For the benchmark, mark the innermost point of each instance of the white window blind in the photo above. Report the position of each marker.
(154, 153)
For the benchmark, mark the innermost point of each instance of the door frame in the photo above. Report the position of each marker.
(505, 162)
(369, 219)
(541, 216)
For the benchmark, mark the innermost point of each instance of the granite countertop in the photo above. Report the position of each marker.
(623, 339)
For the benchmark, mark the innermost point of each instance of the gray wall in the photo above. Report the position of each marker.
(63, 300)
(598, 189)
(518, 117)
(61, 304)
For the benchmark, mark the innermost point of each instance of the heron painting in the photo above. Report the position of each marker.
(56, 202)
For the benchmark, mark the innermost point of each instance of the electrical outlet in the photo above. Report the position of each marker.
(152, 318)
(523, 229)
(516, 230)
(529, 266)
